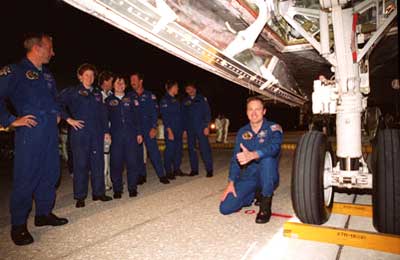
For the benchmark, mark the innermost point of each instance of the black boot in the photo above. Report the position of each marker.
(117, 195)
(50, 220)
(179, 173)
(264, 214)
(80, 203)
(209, 174)
(20, 235)
(193, 173)
(141, 180)
(258, 198)
(103, 198)
(164, 180)
(133, 193)
(171, 176)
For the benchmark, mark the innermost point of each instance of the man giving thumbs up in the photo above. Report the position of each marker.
(254, 163)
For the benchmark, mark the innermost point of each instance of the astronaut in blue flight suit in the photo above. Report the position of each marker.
(171, 113)
(84, 110)
(32, 90)
(126, 134)
(148, 109)
(196, 118)
(254, 163)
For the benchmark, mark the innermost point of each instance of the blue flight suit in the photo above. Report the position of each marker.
(171, 113)
(87, 143)
(196, 117)
(37, 160)
(148, 109)
(123, 114)
(262, 173)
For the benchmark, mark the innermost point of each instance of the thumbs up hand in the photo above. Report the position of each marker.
(244, 149)
(246, 156)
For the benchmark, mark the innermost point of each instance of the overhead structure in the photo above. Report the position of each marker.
(158, 23)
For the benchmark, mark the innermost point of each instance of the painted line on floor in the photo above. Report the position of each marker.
(248, 251)
(284, 146)
(279, 215)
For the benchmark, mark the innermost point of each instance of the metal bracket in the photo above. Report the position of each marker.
(361, 179)
(377, 35)
(329, 3)
(245, 39)
(266, 72)
(287, 10)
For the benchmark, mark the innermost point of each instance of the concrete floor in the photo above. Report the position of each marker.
(176, 221)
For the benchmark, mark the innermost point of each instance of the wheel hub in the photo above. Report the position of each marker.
(328, 189)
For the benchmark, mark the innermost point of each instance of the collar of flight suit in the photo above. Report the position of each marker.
(26, 62)
(145, 92)
(264, 126)
(168, 96)
(82, 87)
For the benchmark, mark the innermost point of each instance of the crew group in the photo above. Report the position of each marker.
(128, 120)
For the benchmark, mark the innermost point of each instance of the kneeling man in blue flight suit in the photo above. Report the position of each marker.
(254, 163)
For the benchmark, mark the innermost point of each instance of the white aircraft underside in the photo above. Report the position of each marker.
(230, 38)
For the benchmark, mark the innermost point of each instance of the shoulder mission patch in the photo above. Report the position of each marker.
(113, 103)
(84, 93)
(32, 75)
(276, 127)
(126, 100)
(247, 135)
(5, 71)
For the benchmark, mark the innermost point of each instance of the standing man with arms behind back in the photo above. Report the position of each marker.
(254, 163)
(196, 118)
(148, 110)
(32, 90)
(171, 111)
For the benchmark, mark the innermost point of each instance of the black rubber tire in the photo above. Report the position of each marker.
(307, 188)
(386, 182)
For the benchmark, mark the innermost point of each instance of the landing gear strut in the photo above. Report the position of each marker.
(315, 173)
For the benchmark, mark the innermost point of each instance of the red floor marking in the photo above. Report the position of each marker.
(281, 215)
(252, 211)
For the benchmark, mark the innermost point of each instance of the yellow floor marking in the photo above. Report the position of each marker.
(362, 239)
(352, 209)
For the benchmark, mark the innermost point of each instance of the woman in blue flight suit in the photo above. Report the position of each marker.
(85, 111)
(126, 133)
(171, 112)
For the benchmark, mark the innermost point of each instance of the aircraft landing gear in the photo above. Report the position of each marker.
(312, 192)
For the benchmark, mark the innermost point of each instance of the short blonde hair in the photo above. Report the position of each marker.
(33, 39)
